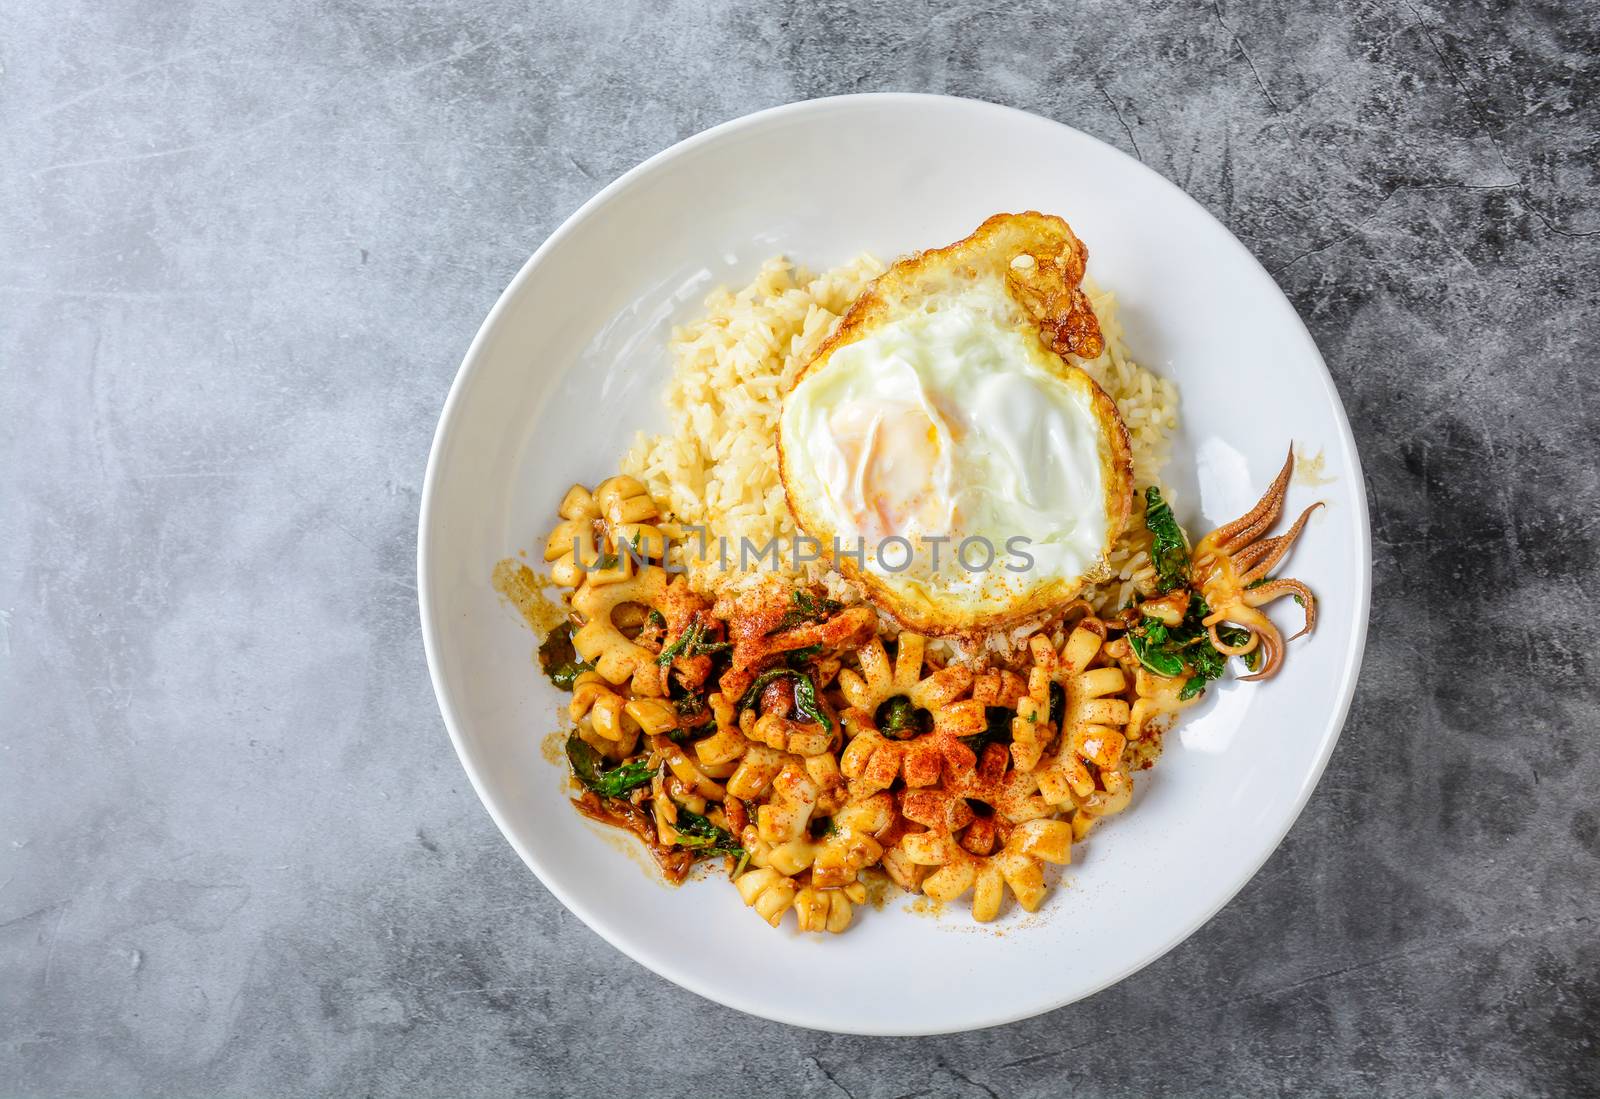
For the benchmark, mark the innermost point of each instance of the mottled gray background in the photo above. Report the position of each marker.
(243, 247)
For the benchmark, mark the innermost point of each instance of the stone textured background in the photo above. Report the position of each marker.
(243, 247)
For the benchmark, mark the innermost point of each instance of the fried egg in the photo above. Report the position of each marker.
(944, 448)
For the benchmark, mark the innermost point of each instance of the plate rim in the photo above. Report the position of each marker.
(667, 968)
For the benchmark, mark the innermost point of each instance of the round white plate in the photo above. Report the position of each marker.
(572, 361)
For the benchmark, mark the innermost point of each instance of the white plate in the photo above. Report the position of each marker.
(572, 361)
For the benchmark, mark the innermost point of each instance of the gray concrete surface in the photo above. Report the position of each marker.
(242, 249)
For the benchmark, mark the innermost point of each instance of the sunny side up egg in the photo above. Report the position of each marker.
(967, 473)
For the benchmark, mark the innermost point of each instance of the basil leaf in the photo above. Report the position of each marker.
(807, 608)
(996, 731)
(587, 766)
(584, 759)
(1207, 662)
(1233, 636)
(1168, 551)
(679, 647)
(897, 718)
(806, 704)
(1158, 660)
(691, 642)
(805, 694)
(801, 655)
(698, 834)
(1193, 686)
(559, 660)
(567, 674)
(753, 694)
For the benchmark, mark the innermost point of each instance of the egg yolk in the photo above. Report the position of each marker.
(896, 481)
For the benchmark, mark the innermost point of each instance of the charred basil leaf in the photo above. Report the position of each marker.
(590, 770)
(1058, 703)
(556, 648)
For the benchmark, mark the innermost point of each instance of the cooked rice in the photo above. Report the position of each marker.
(718, 466)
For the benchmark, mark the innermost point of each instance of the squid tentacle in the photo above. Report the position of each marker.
(1276, 589)
(1235, 556)
(1271, 653)
(1249, 526)
(1254, 562)
(1263, 635)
